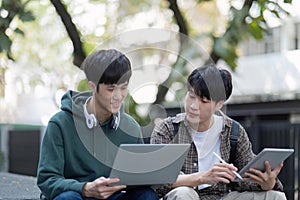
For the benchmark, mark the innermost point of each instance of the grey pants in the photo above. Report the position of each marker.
(184, 193)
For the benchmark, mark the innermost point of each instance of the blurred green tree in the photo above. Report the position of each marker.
(223, 35)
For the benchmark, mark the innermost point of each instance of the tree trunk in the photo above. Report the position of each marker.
(163, 88)
(79, 54)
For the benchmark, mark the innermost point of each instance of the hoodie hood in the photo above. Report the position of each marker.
(73, 102)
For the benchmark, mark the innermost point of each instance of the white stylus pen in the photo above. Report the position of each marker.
(223, 161)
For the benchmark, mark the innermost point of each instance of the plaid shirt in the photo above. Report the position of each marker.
(164, 133)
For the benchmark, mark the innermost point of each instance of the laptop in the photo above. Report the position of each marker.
(148, 164)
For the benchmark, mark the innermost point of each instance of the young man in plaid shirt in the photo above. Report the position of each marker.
(208, 129)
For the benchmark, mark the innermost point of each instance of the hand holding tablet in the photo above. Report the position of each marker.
(274, 155)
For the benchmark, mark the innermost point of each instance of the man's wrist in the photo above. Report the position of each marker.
(267, 188)
(85, 190)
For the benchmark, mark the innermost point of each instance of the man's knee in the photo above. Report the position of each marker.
(182, 193)
(68, 195)
(276, 195)
(262, 195)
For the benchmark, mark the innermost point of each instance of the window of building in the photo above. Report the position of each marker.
(269, 44)
(272, 40)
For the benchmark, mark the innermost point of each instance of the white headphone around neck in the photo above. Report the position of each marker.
(115, 121)
(91, 120)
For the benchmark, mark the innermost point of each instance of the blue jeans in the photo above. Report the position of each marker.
(139, 193)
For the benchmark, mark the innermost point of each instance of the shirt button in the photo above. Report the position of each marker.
(195, 164)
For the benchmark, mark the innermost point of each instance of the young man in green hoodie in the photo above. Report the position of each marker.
(81, 140)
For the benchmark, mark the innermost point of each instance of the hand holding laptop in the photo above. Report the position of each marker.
(93, 188)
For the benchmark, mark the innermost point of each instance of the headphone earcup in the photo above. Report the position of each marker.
(114, 122)
(91, 121)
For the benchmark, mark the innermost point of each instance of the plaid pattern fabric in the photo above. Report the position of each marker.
(164, 133)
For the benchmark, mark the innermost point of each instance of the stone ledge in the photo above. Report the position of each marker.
(15, 186)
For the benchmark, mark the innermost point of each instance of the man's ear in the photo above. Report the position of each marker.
(219, 105)
(92, 86)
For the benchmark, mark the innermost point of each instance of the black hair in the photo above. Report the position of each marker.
(108, 67)
(211, 83)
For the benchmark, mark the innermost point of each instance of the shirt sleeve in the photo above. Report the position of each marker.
(50, 178)
(162, 133)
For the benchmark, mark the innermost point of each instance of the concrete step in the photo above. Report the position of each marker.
(15, 186)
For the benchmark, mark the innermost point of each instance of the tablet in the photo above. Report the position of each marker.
(148, 164)
(274, 155)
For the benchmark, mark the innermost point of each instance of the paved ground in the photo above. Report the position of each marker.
(17, 187)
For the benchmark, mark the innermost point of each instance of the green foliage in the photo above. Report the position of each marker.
(88, 47)
(5, 42)
(226, 50)
(131, 109)
(26, 16)
(83, 85)
(12, 10)
(19, 31)
(256, 30)
(226, 45)
(242, 25)
(239, 25)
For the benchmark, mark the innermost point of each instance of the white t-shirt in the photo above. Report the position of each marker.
(206, 143)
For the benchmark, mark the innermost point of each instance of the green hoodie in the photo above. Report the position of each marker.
(72, 154)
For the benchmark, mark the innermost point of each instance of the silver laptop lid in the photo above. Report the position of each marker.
(149, 164)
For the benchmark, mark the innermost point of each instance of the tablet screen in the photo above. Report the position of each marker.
(274, 155)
